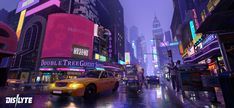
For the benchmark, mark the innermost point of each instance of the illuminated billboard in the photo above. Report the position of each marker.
(127, 57)
(68, 35)
(155, 58)
(192, 29)
(80, 52)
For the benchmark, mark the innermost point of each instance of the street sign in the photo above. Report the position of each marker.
(24, 4)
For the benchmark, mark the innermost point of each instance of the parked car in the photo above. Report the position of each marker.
(87, 86)
(152, 79)
(15, 83)
(130, 77)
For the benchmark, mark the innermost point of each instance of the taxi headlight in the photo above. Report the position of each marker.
(75, 85)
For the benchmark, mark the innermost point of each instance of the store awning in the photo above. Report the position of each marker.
(210, 50)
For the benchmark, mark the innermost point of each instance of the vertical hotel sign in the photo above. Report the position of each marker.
(22, 6)
(127, 57)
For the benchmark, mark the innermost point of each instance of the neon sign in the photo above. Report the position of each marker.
(192, 29)
(127, 57)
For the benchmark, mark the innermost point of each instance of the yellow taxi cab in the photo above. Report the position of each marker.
(91, 83)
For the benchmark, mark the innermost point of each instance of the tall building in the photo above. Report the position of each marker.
(167, 37)
(157, 30)
(139, 51)
(86, 8)
(111, 17)
(126, 33)
(133, 35)
(158, 37)
(141, 47)
(217, 26)
(3, 15)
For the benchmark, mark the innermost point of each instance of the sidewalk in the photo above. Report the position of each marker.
(186, 103)
(8, 91)
(194, 102)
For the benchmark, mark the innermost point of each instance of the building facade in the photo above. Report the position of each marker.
(8, 43)
(34, 59)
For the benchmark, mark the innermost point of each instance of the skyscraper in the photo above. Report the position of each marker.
(158, 37)
(157, 30)
(167, 36)
(133, 35)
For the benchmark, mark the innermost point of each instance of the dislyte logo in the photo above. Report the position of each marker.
(19, 100)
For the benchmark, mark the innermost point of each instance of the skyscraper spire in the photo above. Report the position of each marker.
(156, 23)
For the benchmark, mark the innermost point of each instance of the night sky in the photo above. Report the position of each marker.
(8, 4)
(141, 13)
(136, 12)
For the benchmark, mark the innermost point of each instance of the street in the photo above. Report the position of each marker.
(153, 97)
(99, 53)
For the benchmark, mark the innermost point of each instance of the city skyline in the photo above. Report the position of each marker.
(141, 14)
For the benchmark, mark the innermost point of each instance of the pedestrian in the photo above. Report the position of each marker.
(175, 75)
(140, 77)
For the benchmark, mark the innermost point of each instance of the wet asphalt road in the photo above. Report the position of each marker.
(153, 97)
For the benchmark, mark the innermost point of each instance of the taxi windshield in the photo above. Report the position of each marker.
(93, 74)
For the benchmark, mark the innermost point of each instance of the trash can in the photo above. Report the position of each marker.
(226, 80)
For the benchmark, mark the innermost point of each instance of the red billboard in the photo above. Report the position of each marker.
(68, 35)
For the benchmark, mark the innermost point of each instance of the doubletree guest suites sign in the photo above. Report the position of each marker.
(24, 4)
(57, 62)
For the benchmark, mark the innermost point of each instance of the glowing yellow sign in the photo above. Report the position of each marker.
(20, 24)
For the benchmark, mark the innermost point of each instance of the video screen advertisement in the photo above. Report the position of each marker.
(69, 36)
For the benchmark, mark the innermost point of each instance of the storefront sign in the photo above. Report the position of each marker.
(192, 29)
(24, 4)
(97, 56)
(209, 39)
(43, 6)
(46, 69)
(70, 69)
(102, 58)
(191, 51)
(174, 43)
(69, 63)
(80, 52)
(127, 57)
(121, 62)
